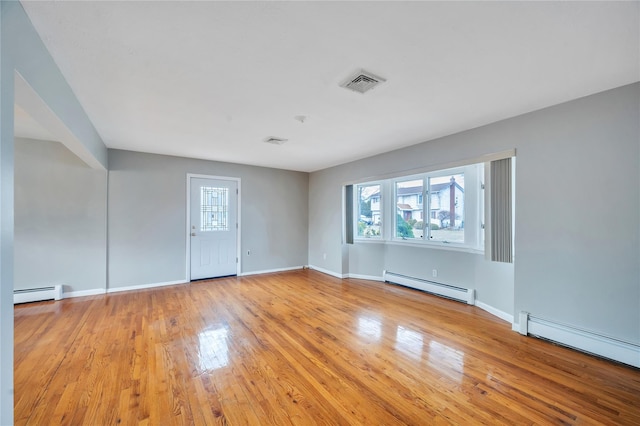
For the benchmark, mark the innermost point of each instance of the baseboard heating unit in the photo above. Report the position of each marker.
(466, 295)
(37, 294)
(582, 340)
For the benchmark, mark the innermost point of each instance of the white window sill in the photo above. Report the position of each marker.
(369, 240)
(421, 245)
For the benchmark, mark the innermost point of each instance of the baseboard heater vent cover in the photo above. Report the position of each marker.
(581, 340)
(37, 294)
(465, 295)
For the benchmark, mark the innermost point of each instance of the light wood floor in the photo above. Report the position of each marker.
(300, 348)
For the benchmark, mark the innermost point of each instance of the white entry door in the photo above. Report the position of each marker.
(213, 227)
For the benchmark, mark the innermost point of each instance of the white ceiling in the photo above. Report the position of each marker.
(212, 80)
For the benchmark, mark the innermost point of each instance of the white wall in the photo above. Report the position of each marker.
(147, 216)
(578, 265)
(60, 219)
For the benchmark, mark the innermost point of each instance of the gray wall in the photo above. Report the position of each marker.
(60, 219)
(577, 221)
(576, 258)
(22, 51)
(6, 223)
(147, 216)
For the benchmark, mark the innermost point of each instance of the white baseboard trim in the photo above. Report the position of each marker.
(97, 291)
(326, 271)
(271, 271)
(145, 286)
(493, 311)
(83, 293)
(365, 277)
(584, 340)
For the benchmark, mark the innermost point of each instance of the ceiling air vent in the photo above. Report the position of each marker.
(362, 81)
(275, 141)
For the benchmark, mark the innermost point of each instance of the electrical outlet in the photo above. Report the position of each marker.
(434, 273)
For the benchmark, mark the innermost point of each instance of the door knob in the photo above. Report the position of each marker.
(193, 234)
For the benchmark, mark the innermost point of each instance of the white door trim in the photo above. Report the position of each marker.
(188, 219)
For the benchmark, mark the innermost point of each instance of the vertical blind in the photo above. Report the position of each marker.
(501, 211)
(348, 214)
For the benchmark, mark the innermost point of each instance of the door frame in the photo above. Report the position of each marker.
(188, 221)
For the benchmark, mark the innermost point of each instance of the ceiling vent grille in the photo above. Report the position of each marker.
(362, 81)
(275, 141)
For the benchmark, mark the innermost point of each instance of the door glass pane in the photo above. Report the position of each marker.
(214, 210)
(409, 211)
(447, 208)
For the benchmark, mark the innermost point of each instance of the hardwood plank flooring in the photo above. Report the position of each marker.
(299, 348)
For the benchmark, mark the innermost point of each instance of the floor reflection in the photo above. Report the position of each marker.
(447, 360)
(38, 308)
(370, 328)
(213, 351)
(409, 342)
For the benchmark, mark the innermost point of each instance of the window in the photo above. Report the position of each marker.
(214, 209)
(437, 208)
(369, 212)
(409, 208)
(447, 207)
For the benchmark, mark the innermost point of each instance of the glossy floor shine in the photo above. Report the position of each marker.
(299, 348)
